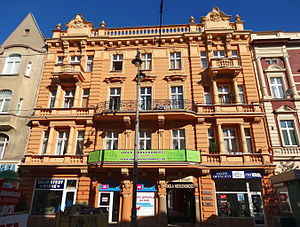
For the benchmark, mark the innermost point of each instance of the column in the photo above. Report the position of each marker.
(243, 137)
(76, 96)
(71, 141)
(57, 97)
(161, 138)
(162, 203)
(236, 91)
(262, 81)
(290, 75)
(215, 90)
(197, 205)
(221, 139)
(126, 206)
(50, 141)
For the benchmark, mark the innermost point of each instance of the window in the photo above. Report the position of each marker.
(117, 62)
(270, 61)
(219, 54)
(284, 202)
(26, 32)
(75, 60)
(230, 140)
(175, 60)
(44, 142)
(212, 142)
(145, 98)
(145, 140)
(69, 98)
(79, 143)
(224, 95)
(203, 59)
(5, 97)
(19, 106)
(115, 99)
(12, 64)
(52, 98)
(234, 54)
(4, 139)
(85, 97)
(248, 140)
(207, 95)
(178, 137)
(241, 93)
(62, 142)
(89, 64)
(288, 133)
(277, 87)
(60, 60)
(147, 61)
(177, 97)
(112, 140)
(28, 68)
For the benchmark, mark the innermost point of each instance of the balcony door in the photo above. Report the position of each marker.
(114, 99)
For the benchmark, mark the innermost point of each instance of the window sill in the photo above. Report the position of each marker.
(74, 63)
(9, 74)
(115, 71)
(175, 69)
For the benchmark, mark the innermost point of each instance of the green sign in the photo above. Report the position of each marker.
(145, 156)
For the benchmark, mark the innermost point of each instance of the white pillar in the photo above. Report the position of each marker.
(262, 81)
(290, 75)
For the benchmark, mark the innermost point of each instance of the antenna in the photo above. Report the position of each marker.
(161, 13)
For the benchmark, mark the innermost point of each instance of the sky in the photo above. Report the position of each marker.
(259, 15)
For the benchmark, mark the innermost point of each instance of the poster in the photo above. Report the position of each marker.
(14, 220)
(145, 204)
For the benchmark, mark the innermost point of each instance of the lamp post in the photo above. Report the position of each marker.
(137, 62)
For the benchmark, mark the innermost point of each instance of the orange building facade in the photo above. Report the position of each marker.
(203, 151)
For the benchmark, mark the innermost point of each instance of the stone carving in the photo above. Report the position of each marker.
(237, 18)
(216, 19)
(192, 20)
(79, 26)
(103, 25)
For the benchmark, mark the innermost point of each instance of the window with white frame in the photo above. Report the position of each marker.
(270, 61)
(62, 142)
(224, 94)
(75, 60)
(5, 98)
(60, 60)
(114, 99)
(175, 60)
(178, 138)
(117, 62)
(85, 97)
(79, 143)
(230, 143)
(203, 59)
(19, 106)
(207, 95)
(177, 97)
(89, 63)
(219, 54)
(288, 133)
(69, 98)
(147, 61)
(145, 140)
(241, 93)
(112, 140)
(248, 140)
(44, 142)
(12, 64)
(234, 54)
(212, 141)
(28, 69)
(4, 139)
(52, 98)
(277, 87)
(145, 96)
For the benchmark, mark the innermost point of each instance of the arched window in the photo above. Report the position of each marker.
(4, 139)
(5, 97)
(12, 64)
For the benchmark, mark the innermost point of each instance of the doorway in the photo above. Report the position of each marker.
(109, 203)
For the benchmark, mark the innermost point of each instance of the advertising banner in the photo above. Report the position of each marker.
(236, 175)
(145, 204)
(14, 220)
(50, 184)
(9, 197)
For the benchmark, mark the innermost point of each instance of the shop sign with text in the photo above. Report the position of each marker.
(236, 175)
(50, 184)
(145, 204)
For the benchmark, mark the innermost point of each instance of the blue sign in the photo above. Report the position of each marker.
(236, 175)
(142, 188)
(50, 184)
(11, 167)
(106, 187)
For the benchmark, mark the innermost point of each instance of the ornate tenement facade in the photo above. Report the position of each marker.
(203, 147)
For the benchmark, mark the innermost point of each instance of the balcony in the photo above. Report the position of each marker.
(229, 108)
(65, 160)
(64, 112)
(287, 152)
(69, 72)
(224, 66)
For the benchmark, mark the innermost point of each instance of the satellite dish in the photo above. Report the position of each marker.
(288, 92)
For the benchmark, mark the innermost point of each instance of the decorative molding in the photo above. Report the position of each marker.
(114, 79)
(175, 77)
(285, 109)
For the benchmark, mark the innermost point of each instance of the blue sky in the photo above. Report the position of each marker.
(259, 15)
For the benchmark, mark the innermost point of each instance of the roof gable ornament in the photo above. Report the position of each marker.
(79, 26)
(216, 19)
(285, 109)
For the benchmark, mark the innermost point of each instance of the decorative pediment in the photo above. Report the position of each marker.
(216, 19)
(275, 68)
(114, 79)
(79, 26)
(175, 77)
(285, 109)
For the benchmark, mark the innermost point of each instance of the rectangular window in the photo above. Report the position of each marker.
(117, 62)
(207, 95)
(79, 143)
(230, 140)
(177, 97)
(270, 61)
(5, 98)
(28, 69)
(52, 98)
(85, 97)
(145, 97)
(241, 93)
(288, 133)
(60, 60)
(115, 99)
(112, 140)
(4, 139)
(145, 140)
(12, 64)
(203, 59)
(234, 54)
(277, 87)
(219, 54)
(62, 143)
(248, 140)
(212, 142)
(19, 106)
(175, 60)
(147, 61)
(44, 142)
(69, 98)
(224, 95)
(75, 60)
(178, 137)
(89, 64)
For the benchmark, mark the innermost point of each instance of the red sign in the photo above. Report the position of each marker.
(9, 196)
(223, 196)
(104, 186)
(139, 187)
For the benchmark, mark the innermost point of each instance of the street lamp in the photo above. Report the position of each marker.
(137, 62)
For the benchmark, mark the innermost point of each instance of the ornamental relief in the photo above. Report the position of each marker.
(216, 19)
(79, 26)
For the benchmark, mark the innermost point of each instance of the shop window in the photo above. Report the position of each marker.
(79, 143)
(177, 97)
(241, 93)
(145, 96)
(62, 142)
(230, 143)
(12, 64)
(60, 60)
(85, 97)
(75, 60)
(115, 99)
(203, 59)
(175, 60)
(19, 106)
(89, 63)
(219, 54)
(52, 98)
(117, 62)
(69, 98)
(212, 141)
(53, 195)
(178, 137)
(4, 139)
(5, 98)
(207, 95)
(277, 87)
(248, 140)
(288, 133)
(28, 69)
(44, 142)
(145, 140)
(112, 140)
(147, 61)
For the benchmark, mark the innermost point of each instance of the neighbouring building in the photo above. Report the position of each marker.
(21, 63)
(203, 151)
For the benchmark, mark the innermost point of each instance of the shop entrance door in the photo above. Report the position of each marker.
(109, 203)
(256, 208)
